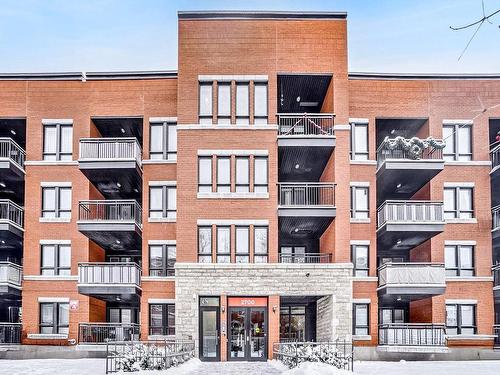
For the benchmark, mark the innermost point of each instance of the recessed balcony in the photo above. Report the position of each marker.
(11, 225)
(496, 281)
(495, 160)
(411, 281)
(113, 165)
(305, 209)
(402, 225)
(110, 281)
(305, 144)
(404, 166)
(112, 224)
(412, 338)
(102, 333)
(10, 279)
(10, 333)
(12, 158)
(495, 230)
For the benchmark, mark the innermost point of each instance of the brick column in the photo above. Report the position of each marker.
(273, 323)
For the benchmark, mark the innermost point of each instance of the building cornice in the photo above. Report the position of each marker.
(423, 76)
(235, 14)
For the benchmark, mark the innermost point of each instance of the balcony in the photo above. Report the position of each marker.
(101, 333)
(12, 158)
(11, 225)
(10, 333)
(106, 281)
(404, 166)
(495, 231)
(113, 165)
(10, 279)
(412, 338)
(306, 258)
(402, 225)
(496, 332)
(112, 224)
(410, 281)
(306, 209)
(305, 144)
(495, 159)
(495, 270)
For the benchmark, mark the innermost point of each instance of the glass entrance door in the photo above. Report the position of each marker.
(209, 333)
(247, 333)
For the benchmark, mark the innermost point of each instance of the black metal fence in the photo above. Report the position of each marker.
(101, 333)
(305, 258)
(412, 334)
(339, 353)
(152, 355)
(10, 333)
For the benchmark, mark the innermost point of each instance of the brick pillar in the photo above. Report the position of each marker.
(273, 323)
(223, 328)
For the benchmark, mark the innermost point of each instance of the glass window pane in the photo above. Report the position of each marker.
(171, 256)
(451, 315)
(466, 256)
(156, 315)
(450, 258)
(360, 138)
(172, 198)
(223, 240)
(65, 199)
(206, 100)
(224, 100)
(464, 142)
(242, 105)
(172, 138)
(223, 174)
(465, 196)
(242, 240)
(156, 198)
(449, 203)
(260, 174)
(361, 253)
(467, 315)
(260, 242)
(155, 256)
(48, 252)
(49, 139)
(361, 315)
(156, 138)
(449, 139)
(205, 171)
(114, 315)
(63, 315)
(47, 313)
(242, 174)
(260, 93)
(64, 256)
(399, 316)
(66, 139)
(205, 240)
(49, 198)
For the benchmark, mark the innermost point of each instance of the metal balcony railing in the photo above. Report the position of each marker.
(410, 149)
(11, 212)
(305, 258)
(109, 273)
(112, 149)
(496, 332)
(111, 211)
(306, 194)
(101, 333)
(495, 216)
(411, 334)
(411, 274)
(11, 273)
(10, 333)
(305, 124)
(9, 149)
(495, 270)
(495, 156)
(410, 212)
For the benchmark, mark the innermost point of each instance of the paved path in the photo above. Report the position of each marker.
(235, 368)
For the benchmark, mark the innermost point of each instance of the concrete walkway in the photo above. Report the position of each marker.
(235, 368)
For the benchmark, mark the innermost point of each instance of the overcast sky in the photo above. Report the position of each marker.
(102, 35)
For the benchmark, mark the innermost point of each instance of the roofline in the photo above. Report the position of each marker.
(424, 76)
(251, 14)
(89, 76)
(62, 76)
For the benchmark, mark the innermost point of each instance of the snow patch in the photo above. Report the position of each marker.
(183, 369)
(316, 368)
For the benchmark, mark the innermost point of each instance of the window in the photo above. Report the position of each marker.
(205, 244)
(260, 103)
(391, 315)
(242, 244)
(223, 174)
(162, 260)
(459, 260)
(205, 174)
(360, 317)
(223, 244)
(242, 103)
(458, 138)
(57, 142)
(162, 319)
(163, 141)
(293, 254)
(242, 174)
(162, 202)
(260, 175)
(293, 323)
(205, 115)
(260, 244)
(458, 203)
(56, 260)
(359, 202)
(359, 141)
(56, 202)
(360, 259)
(460, 319)
(54, 318)
(224, 103)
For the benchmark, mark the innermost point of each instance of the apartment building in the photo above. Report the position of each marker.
(261, 193)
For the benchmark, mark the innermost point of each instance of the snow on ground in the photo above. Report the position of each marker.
(428, 367)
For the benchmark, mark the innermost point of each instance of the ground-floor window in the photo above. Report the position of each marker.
(162, 319)
(292, 323)
(360, 319)
(54, 318)
(460, 319)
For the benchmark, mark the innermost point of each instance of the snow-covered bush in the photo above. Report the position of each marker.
(292, 354)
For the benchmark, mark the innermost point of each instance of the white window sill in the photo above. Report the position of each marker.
(54, 220)
(232, 195)
(360, 221)
(158, 278)
(469, 278)
(461, 221)
(51, 162)
(365, 278)
(363, 162)
(362, 337)
(161, 220)
(50, 278)
(159, 161)
(227, 126)
(47, 336)
(469, 162)
(470, 337)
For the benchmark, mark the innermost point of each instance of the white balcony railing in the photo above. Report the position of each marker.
(11, 273)
(11, 213)
(111, 211)
(495, 216)
(305, 124)
(410, 212)
(495, 157)
(110, 149)
(412, 334)
(306, 194)
(9, 149)
(408, 274)
(109, 273)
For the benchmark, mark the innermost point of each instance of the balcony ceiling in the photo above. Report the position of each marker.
(308, 227)
(13, 179)
(118, 293)
(410, 235)
(297, 164)
(298, 93)
(106, 177)
(14, 125)
(111, 127)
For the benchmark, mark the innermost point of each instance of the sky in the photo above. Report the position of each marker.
(114, 35)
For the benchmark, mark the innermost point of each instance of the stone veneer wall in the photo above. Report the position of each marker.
(331, 281)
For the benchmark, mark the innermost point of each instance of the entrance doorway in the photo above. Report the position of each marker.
(247, 331)
(209, 329)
